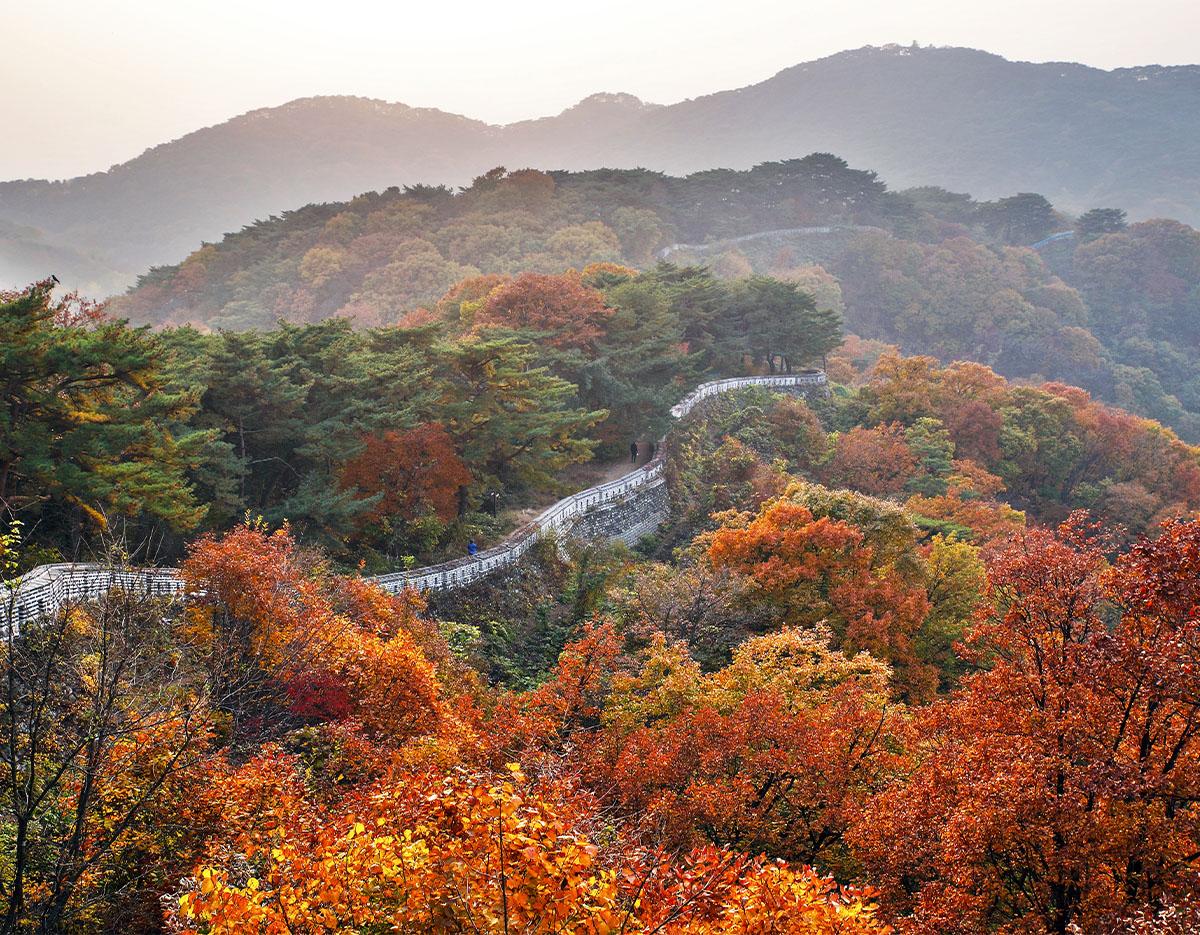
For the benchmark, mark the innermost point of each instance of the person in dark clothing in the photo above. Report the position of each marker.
(633, 452)
(472, 548)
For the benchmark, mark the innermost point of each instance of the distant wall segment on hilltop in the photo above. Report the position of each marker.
(809, 245)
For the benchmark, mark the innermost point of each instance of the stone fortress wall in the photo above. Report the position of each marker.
(624, 509)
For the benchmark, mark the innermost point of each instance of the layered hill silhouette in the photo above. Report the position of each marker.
(959, 118)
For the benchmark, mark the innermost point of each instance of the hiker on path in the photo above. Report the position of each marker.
(633, 452)
(472, 548)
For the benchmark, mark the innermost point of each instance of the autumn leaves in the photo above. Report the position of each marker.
(395, 809)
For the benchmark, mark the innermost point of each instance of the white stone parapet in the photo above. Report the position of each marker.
(45, 588)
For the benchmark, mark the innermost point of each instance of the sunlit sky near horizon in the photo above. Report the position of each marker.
(85, 84)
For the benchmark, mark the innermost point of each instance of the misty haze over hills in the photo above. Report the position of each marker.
(963, 119)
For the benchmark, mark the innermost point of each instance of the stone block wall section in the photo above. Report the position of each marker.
(627, 508)
(628, 519)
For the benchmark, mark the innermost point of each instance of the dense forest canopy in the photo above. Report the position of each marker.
(384, 445)
(909, 653)
(1109, 308)
(385, 253)
(395, 444)
(876, 673)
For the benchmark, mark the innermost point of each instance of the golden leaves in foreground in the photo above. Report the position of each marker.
(497, 853)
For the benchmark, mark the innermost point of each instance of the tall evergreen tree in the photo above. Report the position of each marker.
(512, 421)
(1020, 219)
(781, 326)
(85, 422)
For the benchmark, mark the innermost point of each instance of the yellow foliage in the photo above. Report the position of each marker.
(495, 853)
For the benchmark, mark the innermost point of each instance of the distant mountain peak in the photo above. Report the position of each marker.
(326, 102)
(895, 48)
(605, 99)
(910, 50)
(606, 108)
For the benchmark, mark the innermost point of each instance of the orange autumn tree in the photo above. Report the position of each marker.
(1058, 790)
(821, 570)
(970, 507)
(570, 314)
(258, 618)
(107, 726)
(603, 274)
(480, 852)
(774, 753)
(278, 627)
(462, 300)
(877, 461)
(378, 612)
(543, 720)
(413, 474)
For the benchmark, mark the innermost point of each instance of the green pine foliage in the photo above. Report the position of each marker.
(91, 431)
(190, 430)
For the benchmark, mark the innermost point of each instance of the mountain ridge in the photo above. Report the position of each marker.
(964, 119)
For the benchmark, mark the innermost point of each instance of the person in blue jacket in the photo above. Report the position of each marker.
(472, 548)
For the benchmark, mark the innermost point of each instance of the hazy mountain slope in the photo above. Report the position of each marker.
(157, 207)
(959, 118)
(579, 135)
(955, 117)
(25, 253)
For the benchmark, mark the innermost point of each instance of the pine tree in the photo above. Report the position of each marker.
(512, 421)
(85, 423)
(782, 326)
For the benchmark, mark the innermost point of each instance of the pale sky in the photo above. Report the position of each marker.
(88, 83)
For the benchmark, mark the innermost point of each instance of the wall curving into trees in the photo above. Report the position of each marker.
(627, 508)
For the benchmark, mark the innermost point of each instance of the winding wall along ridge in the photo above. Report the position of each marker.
(47, 587)
(726, 243)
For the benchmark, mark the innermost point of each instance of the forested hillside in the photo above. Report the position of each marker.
(391, 444)
(956, 117)
(385, 253)
(914, 657)
(609, 523)
(1110, 309)
(382, 445)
